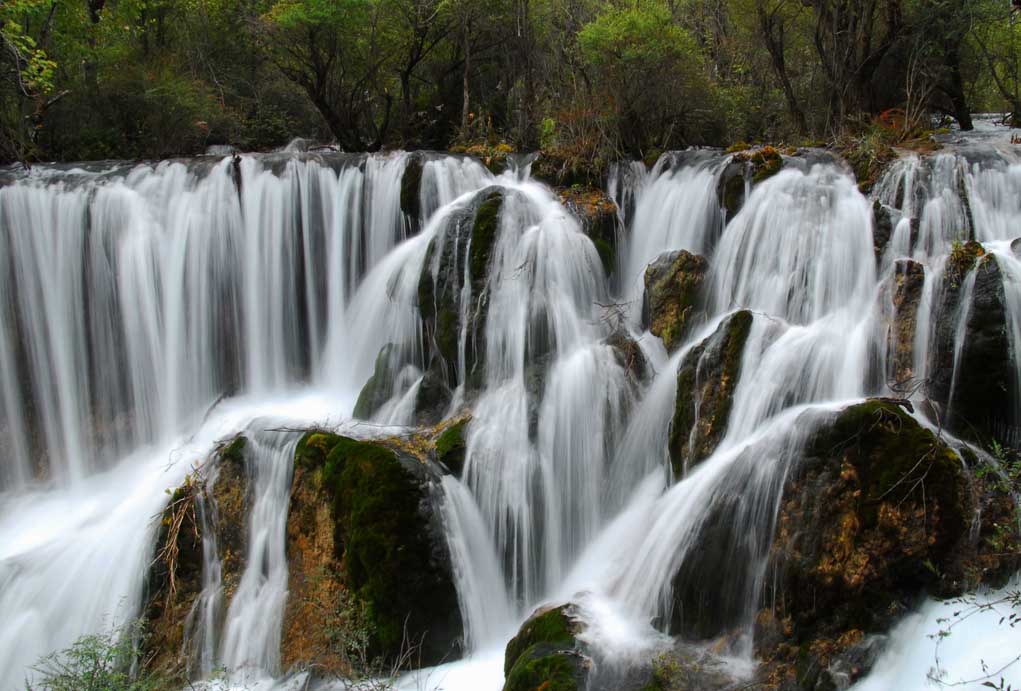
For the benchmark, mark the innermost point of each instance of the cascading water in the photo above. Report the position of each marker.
(156, 310)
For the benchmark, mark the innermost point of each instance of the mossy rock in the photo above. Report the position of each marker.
(553, 625)
(392, 560)
(629, 355)
(732, 189)
(983, 401)
(763, 163)
(468, 242)
(599, 220)
(909, 281)
(171, 596)
(673, 306)
(545, 667)
(545, 654)
(379, 388)
(706, 381)
(451, 446)
(872, 516)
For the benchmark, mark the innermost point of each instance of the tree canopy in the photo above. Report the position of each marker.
(592, 79)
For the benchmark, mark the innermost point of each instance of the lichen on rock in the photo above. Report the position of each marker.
(706, 381)
(674, 285)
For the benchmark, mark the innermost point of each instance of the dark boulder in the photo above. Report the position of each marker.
(411, 184)
(599, 220)
(382, 541)
(674, 285)
(975, 398)
(882, 227)
(876, 514)
(706, 380)
(379, 388)
(468, 242)
(546, 655)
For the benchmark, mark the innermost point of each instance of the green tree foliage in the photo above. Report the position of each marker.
(588, 80)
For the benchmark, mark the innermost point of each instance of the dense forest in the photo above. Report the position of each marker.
(585, 80)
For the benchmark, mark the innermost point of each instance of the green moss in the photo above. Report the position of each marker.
(451, 447)
(896, 456)
(378, 388)
(233, 450)
(607, 255)
(541, 668)
(713, 391)
(379, 535)
(553, 627)
(766, 162)
(484, 234)
(961, 261)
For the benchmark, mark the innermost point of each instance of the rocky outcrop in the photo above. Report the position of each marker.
(979, 399)
(629, 355)
(674, 285)
(546, 655)
(366, 549)
(747, 167)
(599, 220)
(882, 228)
(362, 519)
(467, 243)
(909, 281)
(379, 388)
(411, 184)
(877, 512)
(216, 498)
(706, 380)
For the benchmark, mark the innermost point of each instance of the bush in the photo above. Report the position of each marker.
(96, 662)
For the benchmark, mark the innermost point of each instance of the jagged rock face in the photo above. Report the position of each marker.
(362, 531)
(673, 295)
(877, 511)
(388, 545)
(469, 243)
(882, 228)
(979, 399)
(546, 653)
(909, 281)
(599, 220)
(380, 386)
(706, 380)
(746, 168)
(175, 579)
(629, 354)
(411, 183)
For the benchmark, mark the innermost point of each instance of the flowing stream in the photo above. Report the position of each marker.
(152, 311)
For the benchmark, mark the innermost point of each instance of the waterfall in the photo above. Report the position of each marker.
(155, 310)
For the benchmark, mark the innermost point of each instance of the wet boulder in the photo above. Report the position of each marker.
(747, 168)
(599, 220)
(174, 582)
(411, 184)
(1015, 247)
(976, 394)
(674, 286)
(706, 380)
(909, 281)
(452, 446)
(466, 244)
(546, 655)
(380, 386)
(629, 355)
(363, 520)
(882, 227)
(876, 513)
